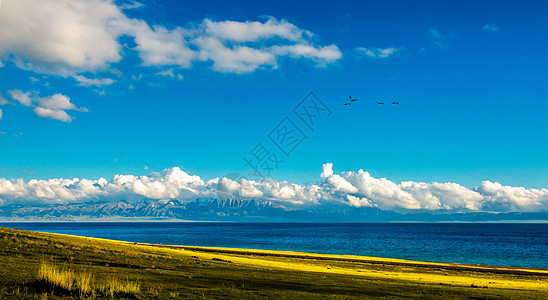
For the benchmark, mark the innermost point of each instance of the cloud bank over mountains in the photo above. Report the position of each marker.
(350, 189)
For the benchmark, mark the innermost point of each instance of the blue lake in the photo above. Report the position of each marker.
(524, 245)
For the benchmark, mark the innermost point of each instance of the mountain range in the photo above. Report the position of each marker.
(238, 210)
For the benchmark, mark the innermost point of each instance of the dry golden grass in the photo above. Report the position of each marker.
(113, 287)
(174, 294)
(83, 282)
(57, 277)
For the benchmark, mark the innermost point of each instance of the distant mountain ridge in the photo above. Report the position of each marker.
(198, 209)
(209, 209)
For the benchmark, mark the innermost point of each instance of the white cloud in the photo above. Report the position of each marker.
(60, 37)
(170, 183)
(232, 47)
(55, 114)
(241, 47)
(1, 114)
(238, 59)
(75, 36)
(84, 81)
(21, 97)
(490, 27)
(499, 197)
(376, 52)
(3, 100)
(72, 37)
(321, 55)
(357, 189)
(55, 107)
(337, 182)
(159, 46)
(359, 202)
(252, 31)
(385, 194)
(58, 102)
(169, 73)
(447, 196)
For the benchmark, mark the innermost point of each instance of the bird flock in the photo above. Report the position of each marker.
(378, 102)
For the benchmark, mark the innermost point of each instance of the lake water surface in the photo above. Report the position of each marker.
(524, 245)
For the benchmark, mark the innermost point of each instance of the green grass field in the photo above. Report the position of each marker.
(37, 265)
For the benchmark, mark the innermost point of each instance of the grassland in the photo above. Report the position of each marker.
(37, 265)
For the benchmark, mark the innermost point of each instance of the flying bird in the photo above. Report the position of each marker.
(347, 103)
(395, 102)
(380, 102)
(352, 99)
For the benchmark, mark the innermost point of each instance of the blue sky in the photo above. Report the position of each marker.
(470, 78)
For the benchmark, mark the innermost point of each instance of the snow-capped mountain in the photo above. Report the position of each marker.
(198, 209)
(236, 210)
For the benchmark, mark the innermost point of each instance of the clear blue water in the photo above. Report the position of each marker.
(524, 245)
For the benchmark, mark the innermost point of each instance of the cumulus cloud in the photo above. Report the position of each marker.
(241, 47)
(21, 97)
(351, 189)
(76, 38)
(55, 107)
(361, 189)
(59, 37)
(252, 31)
(321, 55)
(239, 59)
(376, 52)
(71, 37)
(159, 46)
(55, 114)
(337, 182)
(358, 202)
(171, 183)
(498, 197)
